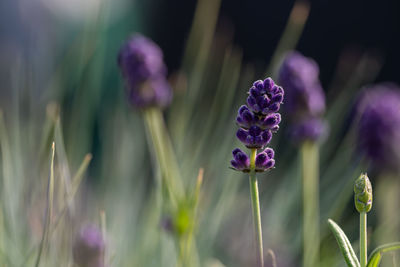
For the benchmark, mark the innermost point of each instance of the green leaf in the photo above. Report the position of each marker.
(344, 245)
(376, 255)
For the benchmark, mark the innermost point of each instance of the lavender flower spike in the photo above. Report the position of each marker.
(305, 99)
(299, 76)
(142, 66)
(378, 129)
(258, 120)
(88, 250)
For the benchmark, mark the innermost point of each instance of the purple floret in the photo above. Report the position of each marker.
(254, 137)
(265, 97)
(245, 118)
(265, 160)
(241, 161)
(142, 66)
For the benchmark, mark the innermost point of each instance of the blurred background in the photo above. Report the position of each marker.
(59, 81)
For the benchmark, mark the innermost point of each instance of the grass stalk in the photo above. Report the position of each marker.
(49, 210)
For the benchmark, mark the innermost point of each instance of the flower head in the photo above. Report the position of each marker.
(305, 99)
(142, 66)
(299, 76)
(363, 194)
(89, 246)
(258, 120)
(378, 129)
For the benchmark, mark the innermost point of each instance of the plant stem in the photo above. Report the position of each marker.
(310, 163)
(49, 210)
(164, 155)
(255, 204)
(363, 239)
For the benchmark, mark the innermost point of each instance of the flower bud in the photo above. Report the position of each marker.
(363, 194)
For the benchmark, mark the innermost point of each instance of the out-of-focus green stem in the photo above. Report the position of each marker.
(255, 204)
(310, 166)
(363, 239)
(164, 154)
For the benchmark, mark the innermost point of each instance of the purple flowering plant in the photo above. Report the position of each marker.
(305, 106)
(258, 120)
(305, 98)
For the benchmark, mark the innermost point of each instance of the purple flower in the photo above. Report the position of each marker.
(265, 160)
(241, 161)
(305, 98)
(89, 246)
(142, 66)
(254, 137)
(378, 129)
(304, 94)
(265, 97)
(257, 121)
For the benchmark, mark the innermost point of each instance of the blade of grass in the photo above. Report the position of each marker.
(49, 210)
(76, 181)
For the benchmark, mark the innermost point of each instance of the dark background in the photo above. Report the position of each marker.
(332, 27)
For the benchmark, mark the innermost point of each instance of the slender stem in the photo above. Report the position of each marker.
(255, 204)
(310, 162)
(363, 239)
(49, 210)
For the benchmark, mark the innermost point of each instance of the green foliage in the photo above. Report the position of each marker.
(376, 255)
(344, 245)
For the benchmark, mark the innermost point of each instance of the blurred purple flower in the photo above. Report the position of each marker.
(142, 66)
(89, 246)
(304, 94)
(258, 121)
(305, 98)
(378, 129)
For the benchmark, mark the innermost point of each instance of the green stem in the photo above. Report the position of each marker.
(310, 163)
(164, 155)
(49, 210)
(255, 204)
(363, 239)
